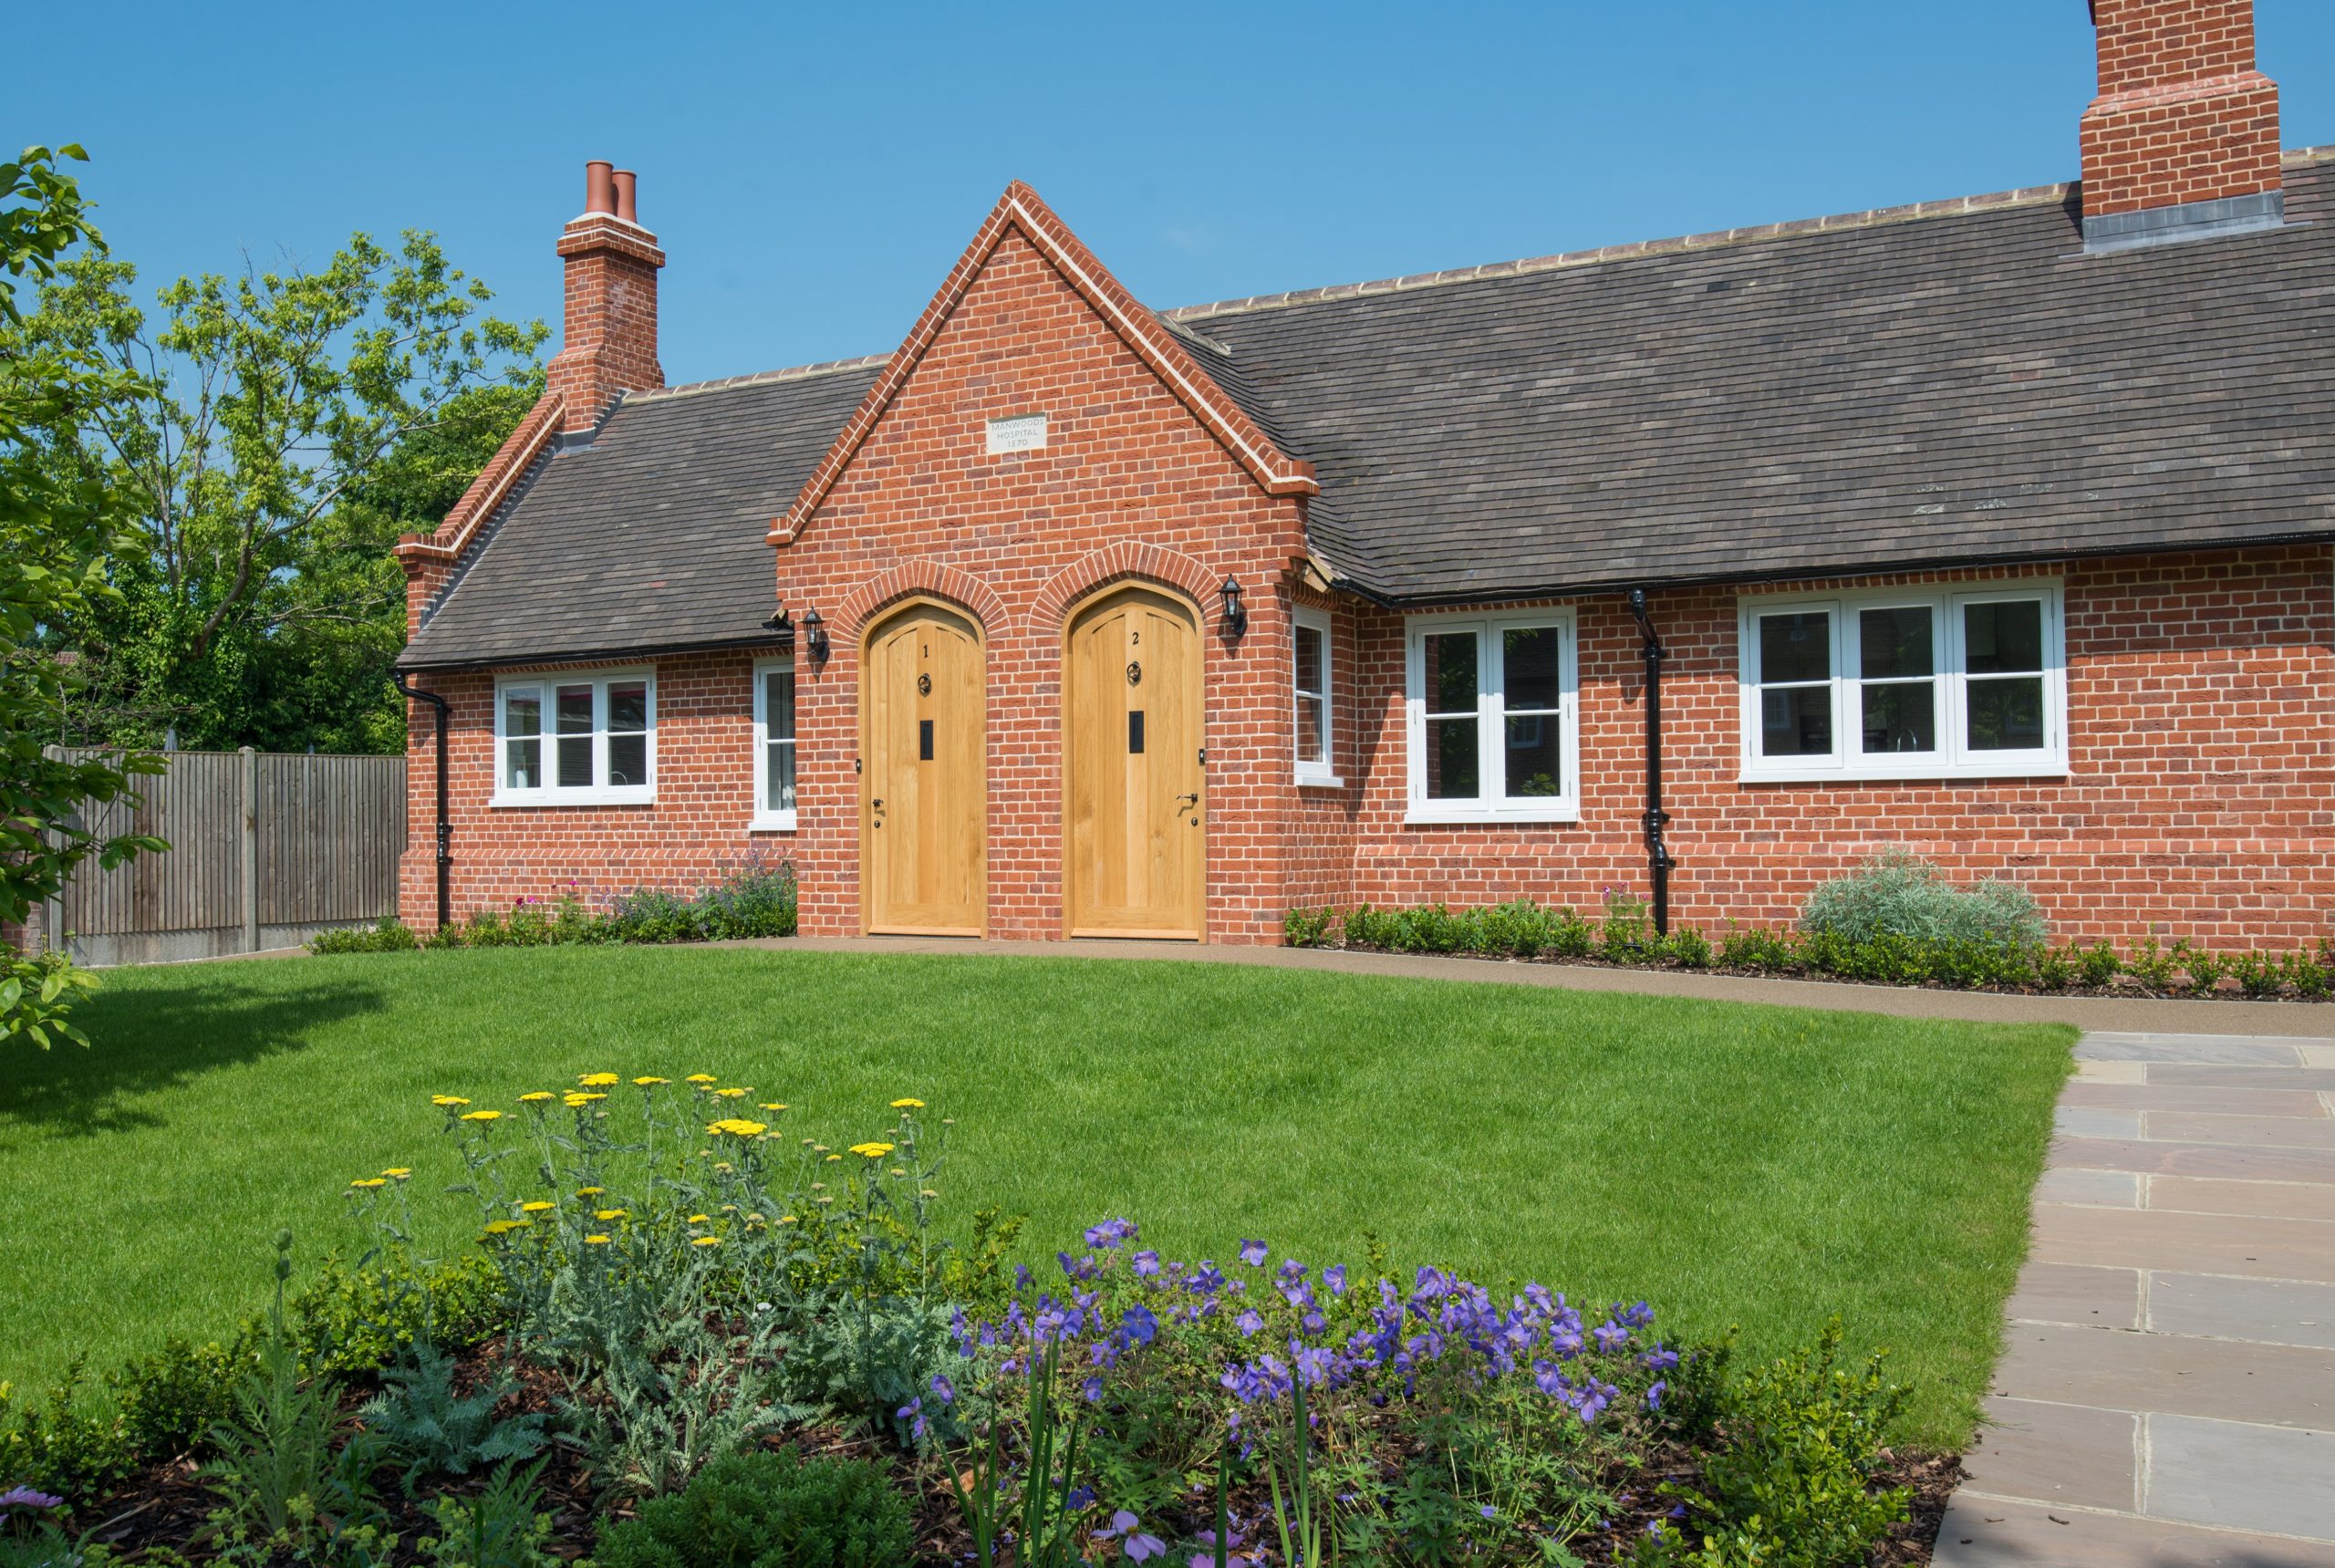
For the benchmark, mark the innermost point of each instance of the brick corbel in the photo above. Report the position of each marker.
(909, 580)
(1020, 211)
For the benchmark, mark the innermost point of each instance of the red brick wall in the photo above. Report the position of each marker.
(2200, 801)
(610, 338)
(2182, 115)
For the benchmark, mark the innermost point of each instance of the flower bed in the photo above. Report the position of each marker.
(1624, 936)
(687, 1328)
(752, 900)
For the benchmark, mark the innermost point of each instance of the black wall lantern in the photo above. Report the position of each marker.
(1236, 619)
(815, 635)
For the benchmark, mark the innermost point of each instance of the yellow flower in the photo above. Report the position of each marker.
(703, 1078)
(651, 1082)
(817, 1185)
(589, 1191)
(731, 1093)
(872, 1151)
(705, 1240)
(822, 1198)
(596, 1240)
(786, 1218)
(833, 1158)
(399, 1171)
(737, 1127)
(578, 1097)
(724, 1166)
(897, 1171)
(532, 1095)
(606, 1214)
(816, 1148)
(928, 1192)
(597, 1080)
(701, 1218)
(368, 1181)
(774, 1105)
(536, 1206)
(448, 1100)
(481, 1116)
(505, 1226)
(908, 1104)
(728, 1208)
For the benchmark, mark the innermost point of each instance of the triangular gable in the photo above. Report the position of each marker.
(1021, 210)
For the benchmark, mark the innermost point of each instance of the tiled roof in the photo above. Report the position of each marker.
(1948, 383)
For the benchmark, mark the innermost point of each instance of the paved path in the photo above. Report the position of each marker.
(2167, 1391)
(2096, 1013)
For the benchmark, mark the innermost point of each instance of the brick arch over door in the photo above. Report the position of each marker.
(1121, 563)
(863, 604)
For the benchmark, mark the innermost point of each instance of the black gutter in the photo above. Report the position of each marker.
(1654, 819)
(445, 824)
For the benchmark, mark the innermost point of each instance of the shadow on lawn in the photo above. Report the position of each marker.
(141, 1040)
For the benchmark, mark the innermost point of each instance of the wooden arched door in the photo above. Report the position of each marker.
(1134, 834)
(924, 785)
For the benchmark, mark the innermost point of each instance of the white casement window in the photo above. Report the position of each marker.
(773, 746)
(1310, 682)
(583, 738)
(1949, 683)
(1494, 718)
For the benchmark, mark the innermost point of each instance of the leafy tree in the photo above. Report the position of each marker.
(58, 524)
(286, 427)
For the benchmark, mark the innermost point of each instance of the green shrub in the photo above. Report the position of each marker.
(1688, 948)
(1308, 928)
(1793, 1487)
(763, 1510)
(1748, 947)
(1897, 893)
(2098, 964)
(169, 1398)
(1520, 928)
(1569, 936)
(502, 1527)
(389, 937)
(356, 1320)
(70, 1444)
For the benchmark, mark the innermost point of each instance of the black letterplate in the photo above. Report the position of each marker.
(1134, 732)
(924, 740)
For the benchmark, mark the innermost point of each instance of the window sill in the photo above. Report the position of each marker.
(1510, 816)
(773, 822)
(568, 797)
(1945, 772)
(1320, 780)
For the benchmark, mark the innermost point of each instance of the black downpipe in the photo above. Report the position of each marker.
(445, 825)
(1656, 819)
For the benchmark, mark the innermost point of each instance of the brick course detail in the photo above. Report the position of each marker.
(2182, 115)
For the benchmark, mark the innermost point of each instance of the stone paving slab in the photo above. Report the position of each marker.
(2097, 1121)
(2190, 1243)
(2234, 1161)
(2207, 1126)
(2056, 1454)
(2096, 1094)
(2071, 1294)
(2106, 1188)
(1981, 1532)
(2276, 1311)
(2271, 1384)
(2229, 1050)
(2242, 1477)
(2277, 1199)
(2312, 1078)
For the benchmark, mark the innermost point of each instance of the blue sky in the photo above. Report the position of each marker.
(813, 172)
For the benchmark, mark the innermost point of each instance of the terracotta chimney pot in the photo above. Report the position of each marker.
(599, 186)
(626, 184)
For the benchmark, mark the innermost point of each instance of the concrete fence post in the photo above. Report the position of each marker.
(251, 847)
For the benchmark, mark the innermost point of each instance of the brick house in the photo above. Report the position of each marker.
(2002, 528)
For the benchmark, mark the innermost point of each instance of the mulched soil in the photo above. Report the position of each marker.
(167, 1506)
(2128, 986)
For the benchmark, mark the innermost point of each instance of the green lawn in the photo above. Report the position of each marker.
(1759, 1166)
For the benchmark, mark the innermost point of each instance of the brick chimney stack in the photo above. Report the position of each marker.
(608, 340)
(2182, 140)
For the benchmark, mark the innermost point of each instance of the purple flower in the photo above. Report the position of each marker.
(1610, 1336)
(1488, 1511)
(1140, 1326)
(26, 1497)
(913, 1413)
(1078, 1268)
(1654, 1395)
(1248, 1323)
(1252, 1253)
(1335, 1276)
(1146, 1263)
(1080, 1498)
(944, 1390)
(1020, 1276)
(1111, 1233)
(1138, 1546)
(1092, 1388)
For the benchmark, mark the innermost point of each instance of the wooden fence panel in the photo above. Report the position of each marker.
(327, 832)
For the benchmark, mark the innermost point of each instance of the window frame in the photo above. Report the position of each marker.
(546, 683)
(1950, 681)
(1494, 805)
(1323, 773)
(765, 819)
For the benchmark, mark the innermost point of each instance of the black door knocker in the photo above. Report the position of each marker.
(1135, 671)
(924, 685)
